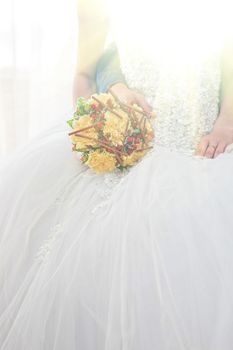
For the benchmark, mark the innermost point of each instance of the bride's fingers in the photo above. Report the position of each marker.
(142, 102)
(202, 147)
(129, 100)
(209, 153)
(220, 149)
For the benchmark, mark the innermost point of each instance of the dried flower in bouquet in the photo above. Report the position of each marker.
(110, 134)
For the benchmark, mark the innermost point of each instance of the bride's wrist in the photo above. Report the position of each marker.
(117, 86)
(224, 120)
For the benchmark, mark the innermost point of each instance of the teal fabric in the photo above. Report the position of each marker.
(108, 71)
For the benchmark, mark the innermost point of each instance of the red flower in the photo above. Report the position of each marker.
(100, 125)
(95, 106)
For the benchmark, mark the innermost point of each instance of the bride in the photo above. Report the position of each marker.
(139, 261)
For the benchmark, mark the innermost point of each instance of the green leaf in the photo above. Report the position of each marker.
(70, 122)
(122, 168)
(87, 108)
(83, 106)
(76, 116)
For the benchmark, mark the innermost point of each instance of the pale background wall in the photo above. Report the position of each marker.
(38, 44)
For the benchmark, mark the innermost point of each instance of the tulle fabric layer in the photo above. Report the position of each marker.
(148, 267)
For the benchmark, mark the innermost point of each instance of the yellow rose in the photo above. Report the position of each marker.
(101, 162)
(81, 142)
(115, 127)
(123, 114)
(82, 122)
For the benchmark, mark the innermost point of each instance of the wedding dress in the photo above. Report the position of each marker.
(134, 261)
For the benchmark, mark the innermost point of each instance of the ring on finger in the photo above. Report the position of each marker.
(214, 146)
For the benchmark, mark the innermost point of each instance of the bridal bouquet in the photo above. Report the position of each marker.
(110, 134)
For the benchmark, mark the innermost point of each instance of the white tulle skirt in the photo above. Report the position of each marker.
(142, 261)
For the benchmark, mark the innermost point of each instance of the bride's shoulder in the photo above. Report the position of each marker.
(97, 9)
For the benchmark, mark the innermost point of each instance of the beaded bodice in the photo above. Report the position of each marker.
(180, 78)
(186, 103)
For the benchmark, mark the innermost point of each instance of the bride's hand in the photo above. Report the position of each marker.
(128, 96)
(217, 140)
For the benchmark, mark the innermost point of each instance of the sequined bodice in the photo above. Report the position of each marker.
(180, 79)
(186, 103)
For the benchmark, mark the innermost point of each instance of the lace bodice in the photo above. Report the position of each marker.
(186, 104)
(179, 77)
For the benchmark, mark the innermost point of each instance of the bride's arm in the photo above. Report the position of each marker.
(109, 77)
(222, 134)
(93, 28)
(226, 112)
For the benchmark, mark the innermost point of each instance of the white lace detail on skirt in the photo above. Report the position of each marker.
(57, 228)
(111, 181)
(104, 185)
(48, 245)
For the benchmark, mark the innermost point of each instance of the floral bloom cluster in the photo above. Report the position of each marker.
(110, 134)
